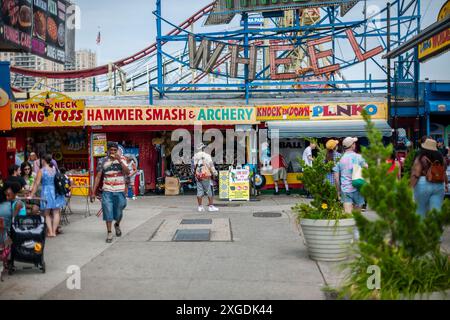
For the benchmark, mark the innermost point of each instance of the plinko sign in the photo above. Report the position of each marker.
(152, 115)
(348, 111)
(328, 111)
(48, 109)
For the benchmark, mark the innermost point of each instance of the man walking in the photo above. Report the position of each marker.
(204, 171)
(343, 171)
(308, 155)
(113, 171)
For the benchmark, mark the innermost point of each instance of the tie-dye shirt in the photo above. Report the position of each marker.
(345, 169)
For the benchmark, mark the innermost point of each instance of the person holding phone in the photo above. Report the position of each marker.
(113, 170)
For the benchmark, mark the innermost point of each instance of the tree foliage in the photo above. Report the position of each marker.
(404, 246)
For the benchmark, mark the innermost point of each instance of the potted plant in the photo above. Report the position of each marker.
(326, 228)
(404, 247)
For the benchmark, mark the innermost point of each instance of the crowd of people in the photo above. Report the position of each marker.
(428, 173)
(30, 187)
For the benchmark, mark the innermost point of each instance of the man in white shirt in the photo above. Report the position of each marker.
(307, 154)
(203, 172)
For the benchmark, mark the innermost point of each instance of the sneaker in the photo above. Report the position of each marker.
(276, 193)
(134, 198)
(288, 193)
(109, 239)
(213, 209)
(201, 209)
(118, 231)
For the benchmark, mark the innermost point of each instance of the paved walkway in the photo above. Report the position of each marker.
(265, 259)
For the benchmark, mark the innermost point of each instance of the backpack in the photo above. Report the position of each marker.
(436, 172)
(202, 172)
(357, 178)
(62, 185)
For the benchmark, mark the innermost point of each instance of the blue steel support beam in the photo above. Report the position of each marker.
(246, 54)
(159, 49)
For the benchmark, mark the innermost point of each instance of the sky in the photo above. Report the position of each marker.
(129, 26)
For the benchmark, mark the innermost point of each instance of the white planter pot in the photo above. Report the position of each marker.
(328, 240)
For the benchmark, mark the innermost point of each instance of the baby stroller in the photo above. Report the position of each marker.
(28, 241)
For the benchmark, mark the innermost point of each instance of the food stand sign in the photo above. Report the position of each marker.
(48, 109)
(147, 115)
(99, 143)
(79, 185)
(239, 185)
(37, 26)
(438, 43)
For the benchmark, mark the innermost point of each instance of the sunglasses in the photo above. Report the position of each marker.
(27, 169)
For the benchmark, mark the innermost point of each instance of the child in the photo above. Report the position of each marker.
(18, 206)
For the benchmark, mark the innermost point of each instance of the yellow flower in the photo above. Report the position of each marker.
(324, 206)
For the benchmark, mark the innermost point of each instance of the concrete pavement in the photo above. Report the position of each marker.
(266, 258)
(263, 258)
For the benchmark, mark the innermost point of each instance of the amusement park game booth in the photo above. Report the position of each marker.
(294, 125)
(146, 132)
(52, 123)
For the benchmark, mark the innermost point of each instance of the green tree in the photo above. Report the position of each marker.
(404, 246)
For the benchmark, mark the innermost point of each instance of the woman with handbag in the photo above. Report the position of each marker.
(429, 178)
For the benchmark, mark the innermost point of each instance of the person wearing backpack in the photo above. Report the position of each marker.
(346, 183)
(429, 178)
(52, 201)
(204, 171)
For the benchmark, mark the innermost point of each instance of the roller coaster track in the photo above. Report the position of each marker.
(77, 74)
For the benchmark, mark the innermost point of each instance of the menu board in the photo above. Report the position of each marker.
(35, 26)
(239, 185)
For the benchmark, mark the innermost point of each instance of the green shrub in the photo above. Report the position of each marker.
(325, 204)
(404, 246)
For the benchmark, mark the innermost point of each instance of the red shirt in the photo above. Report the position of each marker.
(278, 162)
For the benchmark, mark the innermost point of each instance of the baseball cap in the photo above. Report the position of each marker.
(331, 144)
(201, 146)
(112, 144)
(348, 142)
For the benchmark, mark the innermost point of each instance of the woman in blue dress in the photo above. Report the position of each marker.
(51, 201)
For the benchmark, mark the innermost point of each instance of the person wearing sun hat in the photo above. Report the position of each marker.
(332, 156)
(429, 190)
(343, 171)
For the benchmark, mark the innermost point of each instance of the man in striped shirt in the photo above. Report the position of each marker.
(113, 170)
